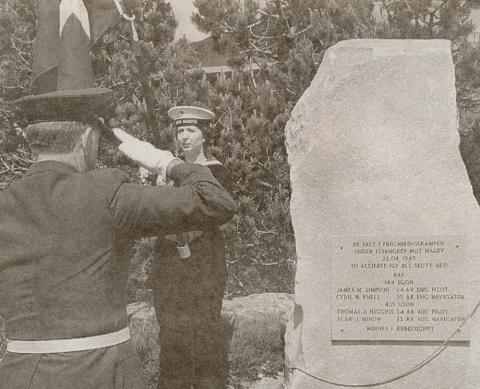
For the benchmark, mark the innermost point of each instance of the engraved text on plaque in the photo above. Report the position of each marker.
(399, 288)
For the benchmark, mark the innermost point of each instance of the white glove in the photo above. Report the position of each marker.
(144, 153)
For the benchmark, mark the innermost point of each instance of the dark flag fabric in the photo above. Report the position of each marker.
(45, 61)
(63, 86)
(66, 30)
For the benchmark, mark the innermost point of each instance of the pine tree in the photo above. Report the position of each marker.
(275, 49)
(17, 31)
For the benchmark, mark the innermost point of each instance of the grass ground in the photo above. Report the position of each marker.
(256, 349)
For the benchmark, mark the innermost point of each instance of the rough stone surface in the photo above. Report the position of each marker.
(373, 150)
(250, 307)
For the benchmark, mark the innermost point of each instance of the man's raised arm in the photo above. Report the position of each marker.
(197, 200)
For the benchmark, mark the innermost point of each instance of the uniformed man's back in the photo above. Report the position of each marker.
(61, 264)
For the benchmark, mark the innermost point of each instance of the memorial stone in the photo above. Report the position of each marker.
(386, 224)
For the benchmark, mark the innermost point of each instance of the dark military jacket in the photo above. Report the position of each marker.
(64, 235)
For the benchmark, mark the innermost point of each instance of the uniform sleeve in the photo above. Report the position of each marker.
(223, 176)
(197, 201)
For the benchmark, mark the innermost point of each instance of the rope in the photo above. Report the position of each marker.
(412, 370)
(128, 18)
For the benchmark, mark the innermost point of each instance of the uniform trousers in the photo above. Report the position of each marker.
(114, 367)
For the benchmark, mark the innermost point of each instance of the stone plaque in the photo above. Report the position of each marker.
(399, 288)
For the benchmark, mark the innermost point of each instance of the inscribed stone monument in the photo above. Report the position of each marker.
(385, 221)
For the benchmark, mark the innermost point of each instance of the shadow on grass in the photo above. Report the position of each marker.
(256, 348)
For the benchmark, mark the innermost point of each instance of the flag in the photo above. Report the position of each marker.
(66, 31)
(63, 86)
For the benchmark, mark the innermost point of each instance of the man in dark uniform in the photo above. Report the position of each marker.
(64, 231)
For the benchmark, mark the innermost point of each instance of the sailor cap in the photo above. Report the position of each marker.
(188, 115)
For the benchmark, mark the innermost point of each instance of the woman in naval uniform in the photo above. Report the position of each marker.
(188, 279)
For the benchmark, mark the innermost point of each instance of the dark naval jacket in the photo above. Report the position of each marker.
(64, 238)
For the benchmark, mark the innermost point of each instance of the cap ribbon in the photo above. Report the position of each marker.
(179, 122)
